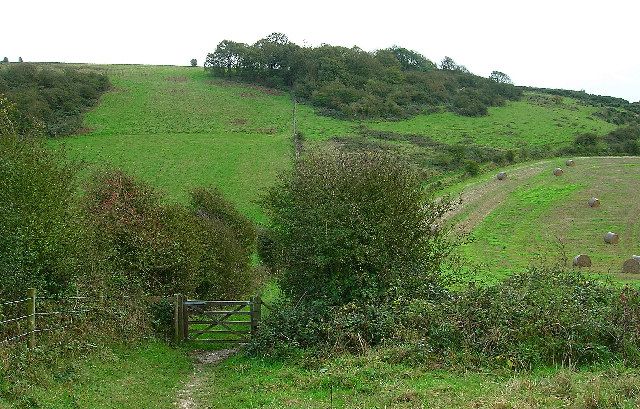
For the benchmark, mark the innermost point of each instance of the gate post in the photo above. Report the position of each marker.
(256, 311)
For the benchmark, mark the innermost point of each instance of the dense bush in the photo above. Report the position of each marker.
(352, 235)
(225, 240)
(318, 326)
(38, 229)
(539, 317)
(51, 99)
(352, 83)
(624, 140)
(354, 226)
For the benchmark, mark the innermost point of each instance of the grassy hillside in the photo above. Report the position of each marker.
(536, 216)
(535, 121)
(177, 128)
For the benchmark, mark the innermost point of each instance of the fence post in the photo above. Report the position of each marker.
(31, 314)
(256, 310)
(176, 318)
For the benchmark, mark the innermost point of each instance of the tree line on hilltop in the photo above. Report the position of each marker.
(351, 83)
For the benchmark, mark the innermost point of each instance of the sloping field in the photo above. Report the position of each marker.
(534, 217)
(177, 128)
(533, 122)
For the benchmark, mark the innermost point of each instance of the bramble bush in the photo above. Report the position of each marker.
(539, 317)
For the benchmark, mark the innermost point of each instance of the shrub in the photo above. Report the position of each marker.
(51, 99)
(354, 226)
(225, 240)
(472, 168)
(317, 326)
(624, 140)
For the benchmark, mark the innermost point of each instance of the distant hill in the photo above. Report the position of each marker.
(177, 128)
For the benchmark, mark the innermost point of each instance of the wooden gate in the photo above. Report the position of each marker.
(216, 321)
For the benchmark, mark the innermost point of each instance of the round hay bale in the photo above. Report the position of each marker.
(594, 202)
(611, 238)
(570, 162)
(558, 172)
(502, 176)
(582, 260)
(631, 266)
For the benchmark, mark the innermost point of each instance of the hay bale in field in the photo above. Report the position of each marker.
(632, 265)
(502, 176)
(558, 171)
(570, 162)
(594, 202)
(582, 260)
(611, 238)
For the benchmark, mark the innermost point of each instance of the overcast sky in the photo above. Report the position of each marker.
(590, 45)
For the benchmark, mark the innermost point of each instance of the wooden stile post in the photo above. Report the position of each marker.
(176, 318)
(31, 314)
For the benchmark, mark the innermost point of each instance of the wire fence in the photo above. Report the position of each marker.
(32, 315)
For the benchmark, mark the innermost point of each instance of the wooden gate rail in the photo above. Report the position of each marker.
(221, 321)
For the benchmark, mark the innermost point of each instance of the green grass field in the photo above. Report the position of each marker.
(155, 376)
(148, 376)
(534, 217)
(371, 381)
(178, 128)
